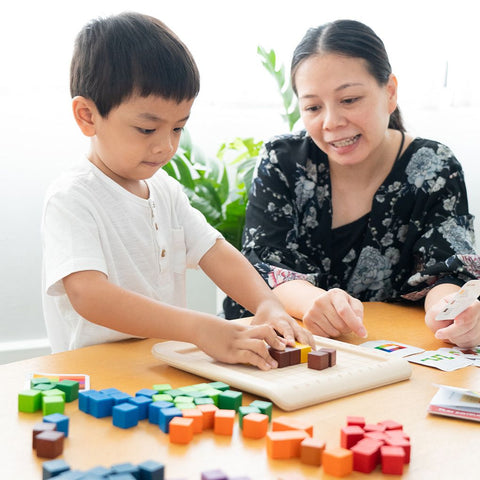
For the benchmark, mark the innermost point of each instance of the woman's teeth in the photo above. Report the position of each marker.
(346, 142)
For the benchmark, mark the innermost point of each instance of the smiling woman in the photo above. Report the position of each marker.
(39, 137)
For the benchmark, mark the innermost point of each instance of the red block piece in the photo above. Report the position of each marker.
(393, 459)
(356, 420)
(378, 436)
(397, 441)
(350, 435)
(366, 455)
(374, 427)
(391, 425)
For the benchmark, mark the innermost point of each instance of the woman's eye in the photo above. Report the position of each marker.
(349, 101)
(314, 108)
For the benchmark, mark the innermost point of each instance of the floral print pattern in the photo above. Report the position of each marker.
(419, 231)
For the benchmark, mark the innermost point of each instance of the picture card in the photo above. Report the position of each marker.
(81, 378)
(440, 359)
(461, 301)
(394, 348)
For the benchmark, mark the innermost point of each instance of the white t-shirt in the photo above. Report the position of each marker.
(92, 223)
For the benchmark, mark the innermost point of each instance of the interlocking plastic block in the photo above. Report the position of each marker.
(318, 360)
(311, 450)
(397, 441)
(146, 392)
(142, 403)
(223, 422)
(291, 423)
(125, 415)
(84, 400)
(100, 405)
(282, 357)
(61, 422)
(245, 410)
(356, 420)
(393, 459)
(214, 475)
(49, 444)
(218, 386)
(285, 444)
(208, 411)
(264, 407)
(255, 425)
(162, 387)
(29, 401)
(53, 404)
(181, 430)
(350, 435)
(151, 470)
(366, 455)
(337, 461)
(304, 349)
(39, 428)
(52, 468)
(165, 416)
(230, 400)
(197, 416)
(70, 388)
(125, 469)
(391, 425)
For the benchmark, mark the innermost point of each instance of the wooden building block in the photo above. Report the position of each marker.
(391, 425)
(378, 436)
(245, 410)
(166, 415)
(100, 405)
(53, 468)
(291, 423)
(397, 441)
(197, 416)
(70, 388)
(208, 411)
(294, 355)
(146, 392)
(223, 422)
(350, 435)
(151, 470)
(230, 400)
(162, 387)
(285, 443)
(264, 407)
(218, 386)
(304, 349)
(53, 404)
(125, 415)
(142, 403)
(356, 420)
(318, 360)
(393, 459)
(311, 450)
(332, 356)
(60, 421)
(366, 455)
(255, 425)
(282, 357)
(154, 411)
(337, 461)
(49, 444)
(29, 401)
(374, 427)
(39, 428)
(181, 430)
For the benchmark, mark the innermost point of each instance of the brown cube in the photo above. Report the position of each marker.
(311, 450)
(39, 428)
(49, 444)
(294, 355)
(281, 356)
(332, 356)
(318, 360)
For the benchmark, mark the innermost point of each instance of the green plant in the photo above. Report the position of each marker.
(218, 186)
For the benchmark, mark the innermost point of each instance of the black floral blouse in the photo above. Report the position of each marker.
(418, 233)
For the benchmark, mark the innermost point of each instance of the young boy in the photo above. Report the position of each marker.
(118, 232)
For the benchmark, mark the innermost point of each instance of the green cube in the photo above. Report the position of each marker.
(70, 388)
(53, 404)
(213, 394)
(54, 392)
(29, 401)
(204, 401)
(264, 407)
(162, 387)
(219, 386)
(162, 397)
(245, 410)
(230, 400)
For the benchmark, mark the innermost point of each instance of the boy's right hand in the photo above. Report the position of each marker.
(232, 342)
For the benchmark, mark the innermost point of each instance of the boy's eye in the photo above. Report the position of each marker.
(178, 129)
(145, 131)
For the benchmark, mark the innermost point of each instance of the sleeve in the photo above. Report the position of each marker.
(71, 240)
(444, 251)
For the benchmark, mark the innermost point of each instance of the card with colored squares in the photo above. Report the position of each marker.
(296, 386)
(81, 378)
(394, 348)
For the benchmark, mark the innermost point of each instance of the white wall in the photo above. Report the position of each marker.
(38, 138)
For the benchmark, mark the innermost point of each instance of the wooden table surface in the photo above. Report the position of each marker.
(442, 448)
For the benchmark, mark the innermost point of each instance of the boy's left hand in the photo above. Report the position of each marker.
(275, 316)
(463, 331)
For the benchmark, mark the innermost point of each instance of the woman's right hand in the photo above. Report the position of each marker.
(333, 313)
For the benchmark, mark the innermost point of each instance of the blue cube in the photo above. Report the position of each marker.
(146, 392)
(166, 415)
(100, 405)
(124, 469)
(154, 410)
(142, 403)
(152, 470)
(120, 397)
(61, 421)
(125, 415)
(53, 468)
(84, 400)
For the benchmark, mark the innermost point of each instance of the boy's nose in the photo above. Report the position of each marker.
(164, 146)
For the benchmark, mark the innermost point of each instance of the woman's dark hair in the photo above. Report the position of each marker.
(352, 39)
(118, 56)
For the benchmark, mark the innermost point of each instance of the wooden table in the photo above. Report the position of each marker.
(442, 448)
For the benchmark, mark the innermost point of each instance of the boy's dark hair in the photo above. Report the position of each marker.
(129, 53)
(352, 39)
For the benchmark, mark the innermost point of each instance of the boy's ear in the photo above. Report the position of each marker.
(84, 112)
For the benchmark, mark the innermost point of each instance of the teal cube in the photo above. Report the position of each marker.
(230, 400)
(245, 410)
(70, 388)
(264, 407)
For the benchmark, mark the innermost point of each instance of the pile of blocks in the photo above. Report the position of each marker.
(362, 446)
(48, 436)
(317, 360)
(47, 395)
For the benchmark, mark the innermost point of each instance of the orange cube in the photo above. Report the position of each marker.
(289, 423)
(197, 416)
(255, 425)
(285, 443)
(208, 410)
(311, 450)
(181, 430)
(337, 461)
(223, 422)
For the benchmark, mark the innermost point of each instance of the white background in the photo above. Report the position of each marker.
(38, 138)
